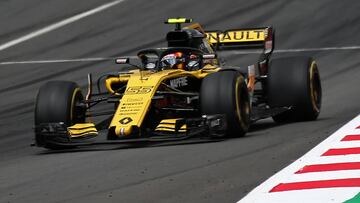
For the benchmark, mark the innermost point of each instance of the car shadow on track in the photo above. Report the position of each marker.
(110, 147)
(259, 128)
(256, 129)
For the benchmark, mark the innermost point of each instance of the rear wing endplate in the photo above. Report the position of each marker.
(243, 38)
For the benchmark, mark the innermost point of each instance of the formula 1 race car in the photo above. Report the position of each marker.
(181, 91)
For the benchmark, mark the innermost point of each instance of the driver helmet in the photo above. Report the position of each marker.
(193, 63)
(173, 61)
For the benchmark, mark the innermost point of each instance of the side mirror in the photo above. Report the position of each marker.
(122, 60)
(209, 56)
(150, 66)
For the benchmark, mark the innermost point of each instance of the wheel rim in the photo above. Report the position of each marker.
(315, 87)
(77, 113)
(242, 104)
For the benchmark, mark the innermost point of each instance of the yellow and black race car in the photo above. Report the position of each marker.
(182, 91)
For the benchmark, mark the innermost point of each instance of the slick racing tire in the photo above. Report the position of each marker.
(226, 93)
(294, 82)
(58, 102)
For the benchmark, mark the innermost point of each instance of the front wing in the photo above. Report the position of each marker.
(57, 135)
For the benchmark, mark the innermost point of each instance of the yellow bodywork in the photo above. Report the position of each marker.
(169, 125)
(178, 20)
(140, 88)
(81, 130)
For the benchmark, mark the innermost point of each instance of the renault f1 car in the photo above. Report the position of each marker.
(182, 91)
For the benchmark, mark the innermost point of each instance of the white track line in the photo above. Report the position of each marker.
(222, 54)
(58, 25)
(294, 50)
(64, 60)
(56, 61)
(318, 49)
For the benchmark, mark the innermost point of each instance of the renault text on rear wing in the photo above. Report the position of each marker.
(244, 38)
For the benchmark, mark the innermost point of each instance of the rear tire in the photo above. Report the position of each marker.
(57, 101)
(226, 93)
(294, 82)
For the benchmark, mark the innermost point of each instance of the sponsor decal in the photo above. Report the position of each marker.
(138, 99)
(131, 108)
(139, 90)
(179, 82)
(236, 36)
(125, 120)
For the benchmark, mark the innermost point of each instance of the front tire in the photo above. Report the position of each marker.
(226, 93)
(295, 82)
(58, 101)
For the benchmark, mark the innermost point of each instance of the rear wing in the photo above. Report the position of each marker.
(243, 38)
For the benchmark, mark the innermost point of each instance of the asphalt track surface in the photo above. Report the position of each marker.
(204, 172)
